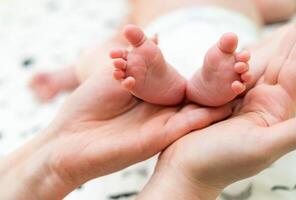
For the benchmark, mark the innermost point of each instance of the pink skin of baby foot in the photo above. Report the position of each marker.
(144, 72)
(224, 75)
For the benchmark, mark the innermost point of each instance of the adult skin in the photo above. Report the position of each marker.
(96, 134)
(260, 132)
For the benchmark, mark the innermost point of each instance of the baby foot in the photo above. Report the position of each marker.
(224, 75)
(46, 85)
(144, 72)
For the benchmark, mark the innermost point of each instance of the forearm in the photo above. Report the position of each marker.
(27, 173)
(171, 186)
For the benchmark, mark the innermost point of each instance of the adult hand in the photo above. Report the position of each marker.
(100, 129)
(200, 165)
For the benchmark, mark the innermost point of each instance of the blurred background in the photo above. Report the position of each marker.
(46, 34)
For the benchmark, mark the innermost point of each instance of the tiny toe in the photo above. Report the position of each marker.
(119, 63)
(134, 35)
(228, 42)
(241, 67)
(129, 83)
(155, 39)
(118, 75)
(243, 56)
(238, 87)
(247, 77)
(118, 53)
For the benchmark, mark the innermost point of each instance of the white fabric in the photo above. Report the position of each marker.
(186, 35)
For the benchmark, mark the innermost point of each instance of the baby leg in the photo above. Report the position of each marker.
(276, 10)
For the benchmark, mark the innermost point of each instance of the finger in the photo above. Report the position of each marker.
(189, 108)
(282, 137)
(194, 119)
(203, 117)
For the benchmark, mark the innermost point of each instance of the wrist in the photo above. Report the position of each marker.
(174, 184)
(27, 172)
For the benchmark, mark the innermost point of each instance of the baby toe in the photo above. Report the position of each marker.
(120, 63)
(241, 67)
(243, 56)
(118, 75)
(238, 87)
(118, 53)
(155, 39)
(247, 77)
(129, 83)
(134, 35)
(228, 43)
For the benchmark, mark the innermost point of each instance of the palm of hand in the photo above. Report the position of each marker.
(257, 135)
(136, 131)
(107, 129)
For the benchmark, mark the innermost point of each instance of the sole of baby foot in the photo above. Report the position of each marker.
(144, 72)
(224, 75)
